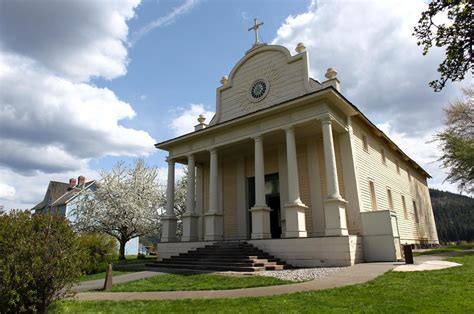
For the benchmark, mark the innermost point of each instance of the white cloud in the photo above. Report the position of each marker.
(76, 39)
(50, 123)
(381, 69)
(165, 20)
(52, 120)
(7, 192)
(186, 118)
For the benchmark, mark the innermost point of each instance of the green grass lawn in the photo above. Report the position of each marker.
(449, 290)
(177, 282)
(452, 248)
(102, 275)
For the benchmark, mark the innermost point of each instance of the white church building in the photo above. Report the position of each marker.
(292, 167)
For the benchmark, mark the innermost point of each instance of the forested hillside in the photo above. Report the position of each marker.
(454, 215)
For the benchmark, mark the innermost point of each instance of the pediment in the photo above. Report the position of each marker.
(268, 68)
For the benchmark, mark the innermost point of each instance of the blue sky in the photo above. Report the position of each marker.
(85, 83)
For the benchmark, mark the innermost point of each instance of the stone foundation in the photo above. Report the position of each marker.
(302, 252)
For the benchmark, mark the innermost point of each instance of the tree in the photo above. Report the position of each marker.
(40, 260)
(125, 204)
(457, 142)
(456, 37)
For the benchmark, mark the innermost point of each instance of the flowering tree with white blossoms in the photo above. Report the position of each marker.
(125, 204)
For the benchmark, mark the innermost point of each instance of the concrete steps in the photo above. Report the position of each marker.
(224, 256)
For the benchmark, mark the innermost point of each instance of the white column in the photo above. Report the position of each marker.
(191, 188)
(214, 219)
(259, 174)
(190, 218)
(295, 209)
(293, 181)
(260, 211)
(170, 189)
(168, 227)
(330, 160)
(213, 177)
(334, 205)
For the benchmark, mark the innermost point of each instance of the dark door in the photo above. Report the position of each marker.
(272, 197)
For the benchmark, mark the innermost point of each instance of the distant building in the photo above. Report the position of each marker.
(61, 198)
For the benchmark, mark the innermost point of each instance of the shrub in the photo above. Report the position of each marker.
(98, 250)
(39, 261)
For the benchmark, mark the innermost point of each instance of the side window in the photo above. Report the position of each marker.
(415, 210)
(390, 200)
(372, 195)
(405, 210)
(365, 143)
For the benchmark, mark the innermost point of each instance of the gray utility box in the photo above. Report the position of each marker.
(381, 240)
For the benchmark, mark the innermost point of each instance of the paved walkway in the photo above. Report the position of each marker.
(99, 283)
(356, 274)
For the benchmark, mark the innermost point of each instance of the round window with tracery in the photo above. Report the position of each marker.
(258, 90)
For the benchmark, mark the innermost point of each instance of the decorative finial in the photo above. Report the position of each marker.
(201, 125)
(300, 48)
(201, 119)
(224, 80)
(331, 73)
(254, 28)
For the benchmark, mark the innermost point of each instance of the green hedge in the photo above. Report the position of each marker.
(98, 251)
(40, 260)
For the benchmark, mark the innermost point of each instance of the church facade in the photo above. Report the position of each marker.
(291, 166)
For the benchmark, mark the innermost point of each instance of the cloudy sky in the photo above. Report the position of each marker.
(84, 83)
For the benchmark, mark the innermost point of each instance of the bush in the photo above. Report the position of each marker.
(98, 250)
(39, 261)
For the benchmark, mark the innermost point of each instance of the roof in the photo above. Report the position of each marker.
(59, 193)
(323, 90)
(71, 194)
(54, 191)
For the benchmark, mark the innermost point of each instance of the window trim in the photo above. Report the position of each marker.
(404, 206)
(373, 195)
(365, 143)
(390, 199)
(383, 156)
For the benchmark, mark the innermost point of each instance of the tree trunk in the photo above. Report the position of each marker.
(122, 250)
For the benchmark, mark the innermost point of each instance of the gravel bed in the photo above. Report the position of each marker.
(303, 274)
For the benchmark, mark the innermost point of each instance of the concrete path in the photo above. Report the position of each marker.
(428, 265)
(99, 283)
(356, 274)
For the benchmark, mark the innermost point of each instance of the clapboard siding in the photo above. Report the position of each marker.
(286, 81)
(369, 166)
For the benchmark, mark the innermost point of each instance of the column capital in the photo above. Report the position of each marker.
(257, 138)
(190, 155)
(213, 150)
(289, 129)
(169, 160)
(327, 120)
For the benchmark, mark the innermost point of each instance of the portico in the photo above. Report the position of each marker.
(276, 146)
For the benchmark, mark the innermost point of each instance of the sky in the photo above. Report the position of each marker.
(86, 83)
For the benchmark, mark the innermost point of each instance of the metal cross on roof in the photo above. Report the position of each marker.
(255, 29)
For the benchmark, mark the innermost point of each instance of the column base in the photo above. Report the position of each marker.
(168, 229)
(214, 227)
(190, 227)
(335, 217)
(295, 217)
(261, 222)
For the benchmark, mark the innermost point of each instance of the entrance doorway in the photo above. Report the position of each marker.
(272, 198)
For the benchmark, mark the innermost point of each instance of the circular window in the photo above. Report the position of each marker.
(258, 90)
